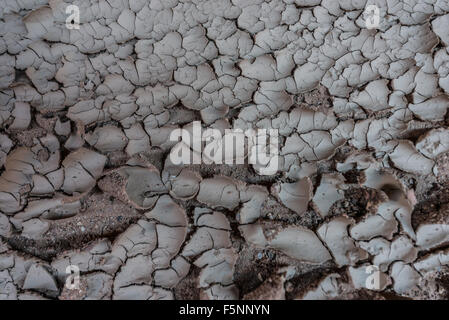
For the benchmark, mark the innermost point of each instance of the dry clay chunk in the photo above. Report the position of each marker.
(386, 252)
(343, 248)
(167, 212)
(405, 157)
(219, 192)
(186, 185)
(107, 139)
(328, 192)
(432, 262)
(295, 196)
(374, 97)
(81, 169)
(38, 278)
(35, 228)
(143, 186)
(301, 244)
(383, 223)
(432, 235)
(433, 109)
(405, 278)
(206, 238)
(434, 143)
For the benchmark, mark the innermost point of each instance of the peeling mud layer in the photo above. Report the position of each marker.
(359, 206)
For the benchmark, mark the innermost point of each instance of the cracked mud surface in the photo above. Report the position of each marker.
(86, 180)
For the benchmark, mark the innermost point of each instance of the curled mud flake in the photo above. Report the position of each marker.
(299, 170)
(434, 143)
(86, 112)
(98, 286)
(215, 220)
(253, 198)
(432, 262)
(295, 196)
(206, 238)
(406, 158)
(143, 186)
(48, 154)
(429, 236)
(36, 208)
(34, 228)
(386, 252)
(185, 186)
(253, 234)
(433, 109)
(67, 209)
(405, 278)
(219, 192)
(81, 170)
(6, 261)
(74, 142)
(439, 25)
(394, 190)
(41, 186)
(383, 223)
(62, 128)
(374, 97)
(335, 235)
(167, 212)
(138, 140)
(15, 181)
(301, 244)
(40, 279)
(328, 192)
(107, 139)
